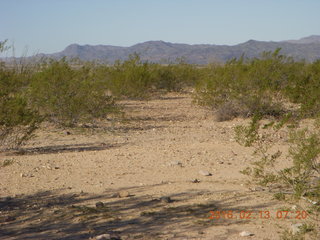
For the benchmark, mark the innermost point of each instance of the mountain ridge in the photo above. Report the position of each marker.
(158, 51)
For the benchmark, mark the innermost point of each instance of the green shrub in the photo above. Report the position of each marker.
(69, 96)
(173, 77)
(17, 120)
(255, 86)
(131, 78)
(304, 88)
(302, 176)
(136, 79)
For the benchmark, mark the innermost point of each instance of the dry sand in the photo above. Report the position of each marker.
(51, 191)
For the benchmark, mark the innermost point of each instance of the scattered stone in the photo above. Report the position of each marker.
(296, 228)
(26, 175)
(107, 236)
(166, 199)
(103, 237)
(221, 162)
(99, 204)
(67, 133)
(175, 163)
(205, 173)
(256, 189)
(56, 167)
(195, 180)
(246, 234)
(310, 201)
(123, 194)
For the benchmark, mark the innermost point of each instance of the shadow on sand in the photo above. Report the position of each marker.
(58, 215)
(62, 149)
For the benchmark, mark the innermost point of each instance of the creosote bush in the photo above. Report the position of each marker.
(68, 92)
(17, 120)
(135, 79)
(69, 96)
(131, 78)
(302, 177)
(245, 87)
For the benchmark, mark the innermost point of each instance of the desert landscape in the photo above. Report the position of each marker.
(159, 120)
(162, 173)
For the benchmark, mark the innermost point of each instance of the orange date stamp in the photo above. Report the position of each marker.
(248, 215)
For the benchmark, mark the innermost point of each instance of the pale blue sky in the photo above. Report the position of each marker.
(50, 25)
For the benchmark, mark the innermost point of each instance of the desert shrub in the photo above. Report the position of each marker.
(17, 120)
(301, 178)
(137, 79)
(166, 78)
(67, 95)
(173, 77)
(241, 88)
(260, 86)
(131, 78)
(304, 88)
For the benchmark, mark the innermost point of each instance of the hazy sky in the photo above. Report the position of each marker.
(50, 25)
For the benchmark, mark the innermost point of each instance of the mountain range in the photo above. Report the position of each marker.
(307, 48)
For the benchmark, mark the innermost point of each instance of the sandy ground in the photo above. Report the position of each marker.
(51, 191)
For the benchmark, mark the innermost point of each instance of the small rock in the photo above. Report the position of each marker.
(195, 181)
(166, 199)
(204, 173)
(26, 175)
(99, 204)
(67, 133)
(296, 228)
(123, 194)
(221, 162)
(256, 189)
(246, 234)
(175, 163)
(105, 236)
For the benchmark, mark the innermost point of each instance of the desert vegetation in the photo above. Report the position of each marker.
(265, 86)
(275, 91)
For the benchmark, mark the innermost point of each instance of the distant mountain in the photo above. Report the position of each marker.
(163, 52)
(306, 40)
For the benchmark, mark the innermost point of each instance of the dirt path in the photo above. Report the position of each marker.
(51, 192)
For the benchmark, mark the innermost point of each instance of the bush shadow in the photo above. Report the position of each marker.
(58, 215)
(63, 148)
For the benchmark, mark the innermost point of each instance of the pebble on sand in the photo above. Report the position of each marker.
(123, 194)
(246, 234)
(205, 173)
(296, 228)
